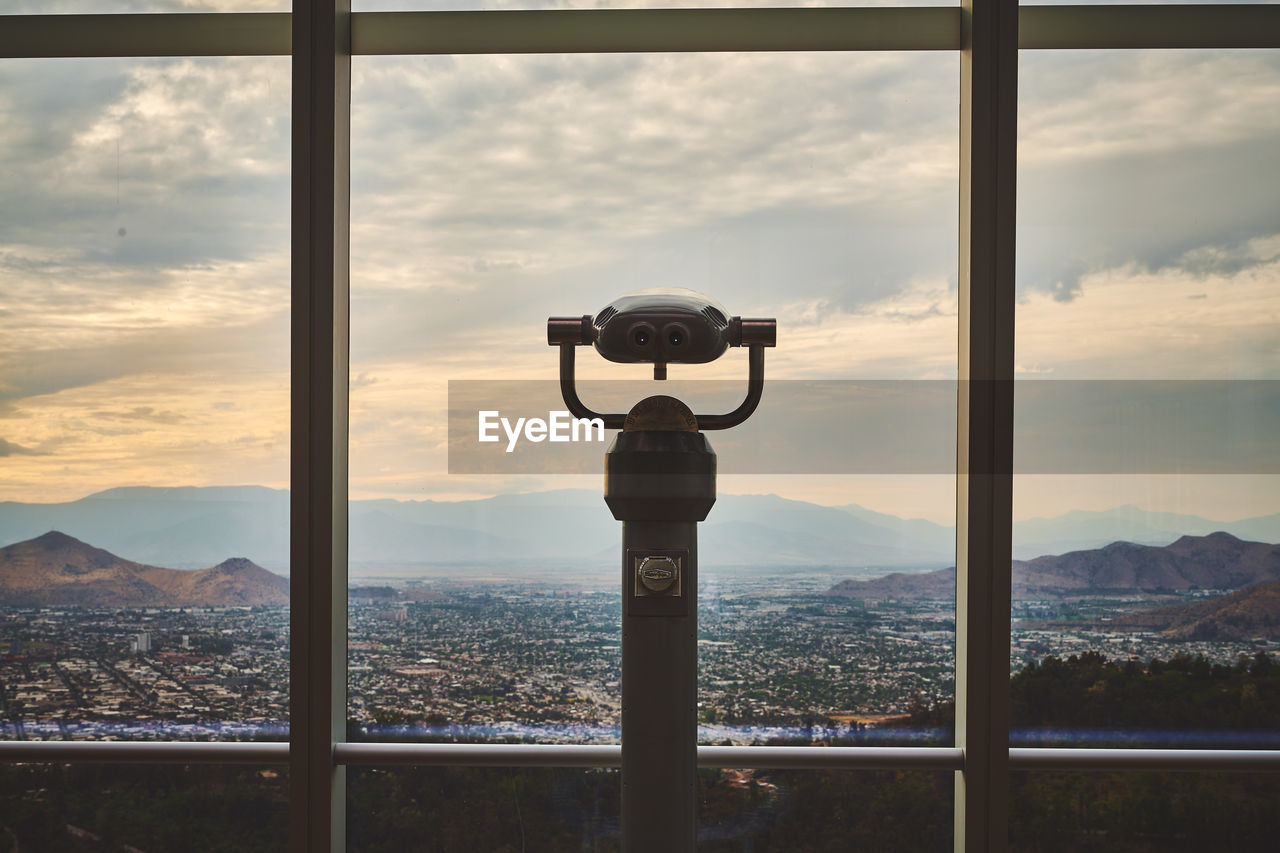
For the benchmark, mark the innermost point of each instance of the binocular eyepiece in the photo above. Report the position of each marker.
(671, 326)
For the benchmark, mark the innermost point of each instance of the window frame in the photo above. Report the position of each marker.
(322, 35)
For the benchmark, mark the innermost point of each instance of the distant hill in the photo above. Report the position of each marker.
(389, 594)
(58, 570)
(1216, 561)
(190, 528)
(921, 585)
(194, 527)
(187, 528)
(1243, 615)
(1082, 530)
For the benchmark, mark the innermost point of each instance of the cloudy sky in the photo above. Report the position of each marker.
(144, 246)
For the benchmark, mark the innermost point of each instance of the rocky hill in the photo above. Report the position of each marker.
(1244, 615)
(58, 570)
(1216, 561)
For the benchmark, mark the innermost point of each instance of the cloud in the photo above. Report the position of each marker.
(1161, 160)
(489, 190)
(184, 439)
(135, 164)
(364, 380)
(1131, 322)
(48, 7)
(116, 349)
(1208, 261)
(247, 344)
(8, 448)
(1190, 210)
(143, 414)
(825, 197)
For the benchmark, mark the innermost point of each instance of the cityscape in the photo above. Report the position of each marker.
(510, 659)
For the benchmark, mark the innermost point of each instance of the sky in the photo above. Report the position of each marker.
(144, 270)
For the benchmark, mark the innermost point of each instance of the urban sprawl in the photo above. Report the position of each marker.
(509, 659)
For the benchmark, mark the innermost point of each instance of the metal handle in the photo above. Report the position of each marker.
(755, 388)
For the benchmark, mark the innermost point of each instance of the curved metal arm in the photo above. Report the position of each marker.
(570, 393)
(755, 387)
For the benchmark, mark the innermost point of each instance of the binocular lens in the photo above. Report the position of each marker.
(641, 337)
(675, 337)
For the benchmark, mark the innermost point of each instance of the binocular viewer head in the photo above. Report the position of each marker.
(662, 326)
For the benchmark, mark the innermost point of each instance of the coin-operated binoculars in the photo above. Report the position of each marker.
(660, 481)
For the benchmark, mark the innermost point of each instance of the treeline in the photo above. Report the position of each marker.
(1088, 700)
(1186, 702)
(95, 808)
(1181, 702)
(1185, 694)
(1132, 812)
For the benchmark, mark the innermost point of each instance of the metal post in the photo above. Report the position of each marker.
(318, 465)
(659, 483)
(659, 700)
(984, 459)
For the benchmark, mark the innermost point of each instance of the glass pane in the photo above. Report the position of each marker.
(536, 809)
(825, 811)
(106, 7)
(1144, 2)
(144, 807)
(482, 808)
(467, 5)
(492, 192)
(1146, 489)
(1134, 812)
(144, 374)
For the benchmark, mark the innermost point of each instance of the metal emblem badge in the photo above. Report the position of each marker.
(657, 574)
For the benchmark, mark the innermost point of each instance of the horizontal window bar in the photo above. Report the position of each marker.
(576, 755)
(555, 755)
(711, 30)
(197, 34)
(1190, 26)
(151, 752)
(810, 758)
(640, 30)
(833, 758)
(655, 30)
(499, 755)
(1168, 760)
(479, 754)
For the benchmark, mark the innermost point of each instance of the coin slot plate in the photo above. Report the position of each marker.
(651, 598)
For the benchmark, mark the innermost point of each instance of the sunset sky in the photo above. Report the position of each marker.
(144, 265)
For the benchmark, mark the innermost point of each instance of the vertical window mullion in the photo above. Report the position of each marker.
(318, 466)
(984, 482)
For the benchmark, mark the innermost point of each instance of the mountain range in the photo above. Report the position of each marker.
(56, 570)
(190, 527)
(1217, 561)
(59, 570)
